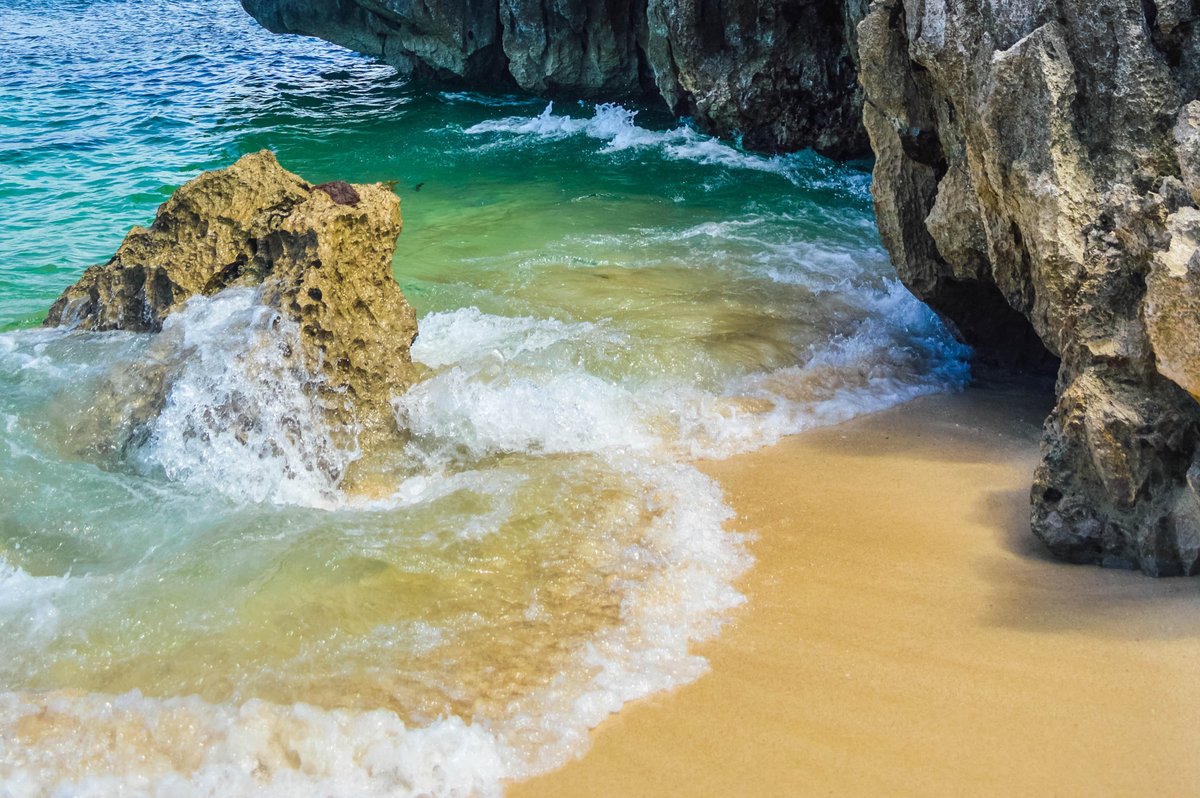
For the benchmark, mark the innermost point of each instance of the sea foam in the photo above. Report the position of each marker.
(239, 414)
(539, 425)
(500, 387)
(671, 581)
(615, 126)
(673, 588)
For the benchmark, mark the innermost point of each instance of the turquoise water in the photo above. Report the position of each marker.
(604, 296)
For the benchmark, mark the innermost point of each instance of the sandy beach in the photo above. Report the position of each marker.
(906, 635)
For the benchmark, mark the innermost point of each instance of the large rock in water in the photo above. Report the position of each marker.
(320, 255)
(778, 72)
(1037, 181)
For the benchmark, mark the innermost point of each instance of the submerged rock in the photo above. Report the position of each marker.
(320, 256)
(779, 74)
(1036, 183)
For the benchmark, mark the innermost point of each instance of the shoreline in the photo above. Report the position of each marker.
(905, 633)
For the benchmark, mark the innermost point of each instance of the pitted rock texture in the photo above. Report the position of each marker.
(320, 255)
(779, 73)
(1036, 182)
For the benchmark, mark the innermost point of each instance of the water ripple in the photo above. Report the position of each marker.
(105, 110)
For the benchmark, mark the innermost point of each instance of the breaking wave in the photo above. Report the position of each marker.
(615, 126)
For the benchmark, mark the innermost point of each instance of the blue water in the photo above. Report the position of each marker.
(604, 295)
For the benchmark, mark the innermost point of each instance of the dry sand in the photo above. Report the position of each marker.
(905, 635)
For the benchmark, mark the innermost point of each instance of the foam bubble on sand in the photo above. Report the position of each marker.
(94, 745)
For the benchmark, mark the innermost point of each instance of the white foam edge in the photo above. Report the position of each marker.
(614, 124)
(100, 745)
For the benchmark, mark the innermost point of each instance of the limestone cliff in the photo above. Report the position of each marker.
(1037, 172)
(778, 72)
(319, 255)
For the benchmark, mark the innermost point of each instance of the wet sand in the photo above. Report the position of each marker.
(905, 635)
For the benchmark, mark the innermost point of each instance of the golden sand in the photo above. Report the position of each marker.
(906, 635)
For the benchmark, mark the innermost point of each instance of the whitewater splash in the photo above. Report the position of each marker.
(502, 387)
(192, 602)
(664, 561)
(615, 126)
(96, 745)
(238, 414)
(503, 363)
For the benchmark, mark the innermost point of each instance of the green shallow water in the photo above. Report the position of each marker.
(603, 297)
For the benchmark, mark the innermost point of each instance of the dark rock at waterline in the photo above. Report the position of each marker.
(1037, 182)
(321, 256)
(779, 73)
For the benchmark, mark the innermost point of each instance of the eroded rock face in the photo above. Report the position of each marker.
(778, 72)
(319, 255)
(1037, 182)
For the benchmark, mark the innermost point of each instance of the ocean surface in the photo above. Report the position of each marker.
(605, 296)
